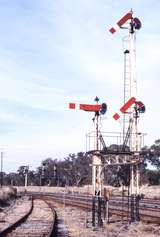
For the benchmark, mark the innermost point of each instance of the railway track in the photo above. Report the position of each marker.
(149, 209)
(39, 221)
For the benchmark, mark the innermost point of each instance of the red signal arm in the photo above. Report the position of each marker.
(85, 107)
(91, 108)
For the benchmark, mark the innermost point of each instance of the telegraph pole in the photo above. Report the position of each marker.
(1, 169)
(26, 175)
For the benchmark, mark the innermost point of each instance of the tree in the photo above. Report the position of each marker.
(75, 169)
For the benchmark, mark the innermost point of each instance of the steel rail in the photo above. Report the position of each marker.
(17, 223)
(22, 220)
(53, 229)
(147, 214)
(146, 204)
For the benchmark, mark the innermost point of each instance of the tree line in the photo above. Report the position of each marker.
(75, 170)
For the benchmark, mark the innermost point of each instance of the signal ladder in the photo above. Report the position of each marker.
(127, 85)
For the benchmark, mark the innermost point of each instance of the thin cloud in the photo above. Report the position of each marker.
(56, 52)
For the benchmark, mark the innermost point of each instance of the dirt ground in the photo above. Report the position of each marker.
(78, 223)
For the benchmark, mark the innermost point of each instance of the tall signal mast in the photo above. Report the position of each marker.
(131, 24)
(130, 117)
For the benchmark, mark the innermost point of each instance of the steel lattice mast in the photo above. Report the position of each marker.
(131, 115)
(128, 22)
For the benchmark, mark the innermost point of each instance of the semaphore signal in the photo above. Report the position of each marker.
(120, 23)
(100, 108)
(125, 107)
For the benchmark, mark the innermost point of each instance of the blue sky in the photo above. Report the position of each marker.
(53, 52)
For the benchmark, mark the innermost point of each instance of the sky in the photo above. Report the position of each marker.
(53, 52)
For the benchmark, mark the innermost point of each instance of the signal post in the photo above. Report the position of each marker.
(131, 110)
(132, 114)
(98, 200)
